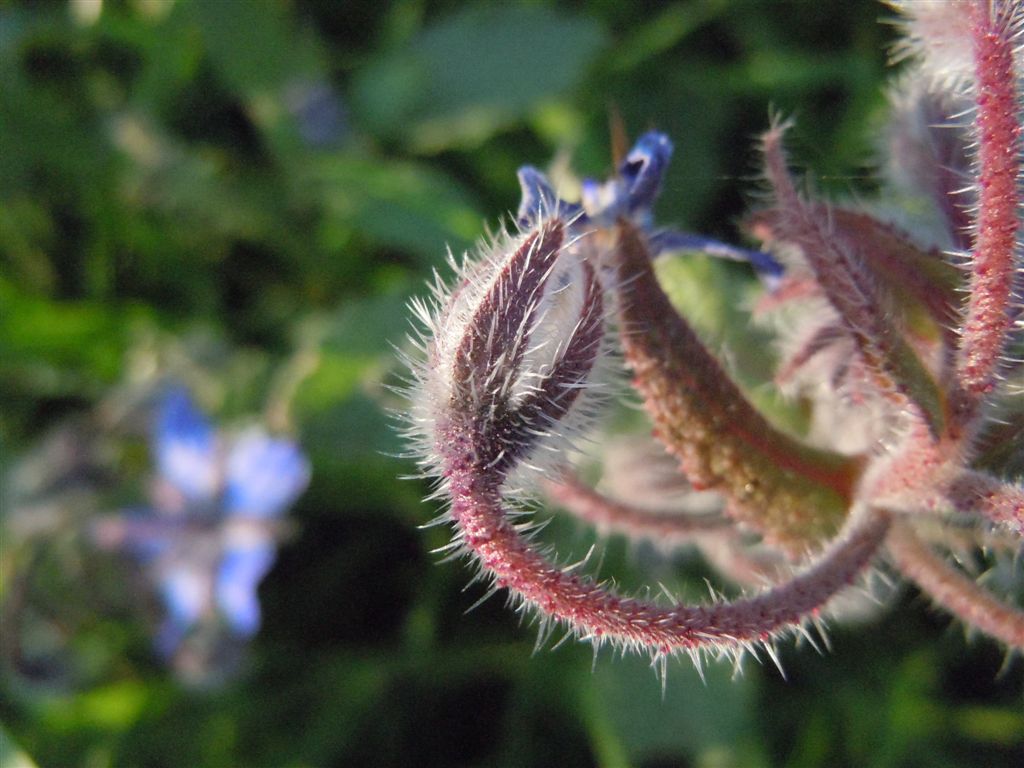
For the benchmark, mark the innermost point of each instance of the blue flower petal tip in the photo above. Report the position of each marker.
(238, 578)
(644, 168)
(632, 193)
(264, 475)
(539, 198)
(186, 590)
(185, 446)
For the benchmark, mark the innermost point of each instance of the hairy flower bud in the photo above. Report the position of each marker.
(508, 352)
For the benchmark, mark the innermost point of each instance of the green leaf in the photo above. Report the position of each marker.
(61, 347)
(341, 406)
(251, 44)
(113, 707)
(464, 78)
(396, 204)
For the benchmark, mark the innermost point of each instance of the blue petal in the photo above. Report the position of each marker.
(539, 198)
(263, 475)
(238, 577)
(633, 190)
(671, 240)
(186, 593)
(169, 638)
(185, 446)
(643, 170)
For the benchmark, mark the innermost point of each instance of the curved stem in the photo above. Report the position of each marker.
(663, 526)
(596, 612)
(926, 478)
(951, 589)
(717, 539)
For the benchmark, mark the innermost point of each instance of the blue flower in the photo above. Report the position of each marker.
(631, 193)
(211, 534)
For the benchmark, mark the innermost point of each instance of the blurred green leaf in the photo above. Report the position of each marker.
(660, 33)
(264, 56)
(11, 756)
(113, 707)
(990, 724)
(52, 347)
(397, 204)
(355, 349)
(463, 78)
(694, 716)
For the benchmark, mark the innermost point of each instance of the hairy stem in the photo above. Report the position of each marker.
(929, 478)
(717, 540)
(951, 589)
(988, 320)
(987, 497)
(596, 612)
(607, 514)
(913, 277)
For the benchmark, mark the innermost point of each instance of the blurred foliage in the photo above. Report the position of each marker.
(263, 185)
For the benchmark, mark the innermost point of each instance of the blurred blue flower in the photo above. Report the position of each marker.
(211, 533)
(318, 112)
(631, 193)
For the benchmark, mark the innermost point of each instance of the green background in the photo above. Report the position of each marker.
(158, 197)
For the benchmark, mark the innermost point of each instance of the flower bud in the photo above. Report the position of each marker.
(509, 351)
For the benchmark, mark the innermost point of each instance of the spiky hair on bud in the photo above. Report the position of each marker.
(938, 36)
(508, 349)
(927, 161)
(942, 37)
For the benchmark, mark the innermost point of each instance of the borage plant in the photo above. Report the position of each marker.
(211, 532)
(900, 342)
